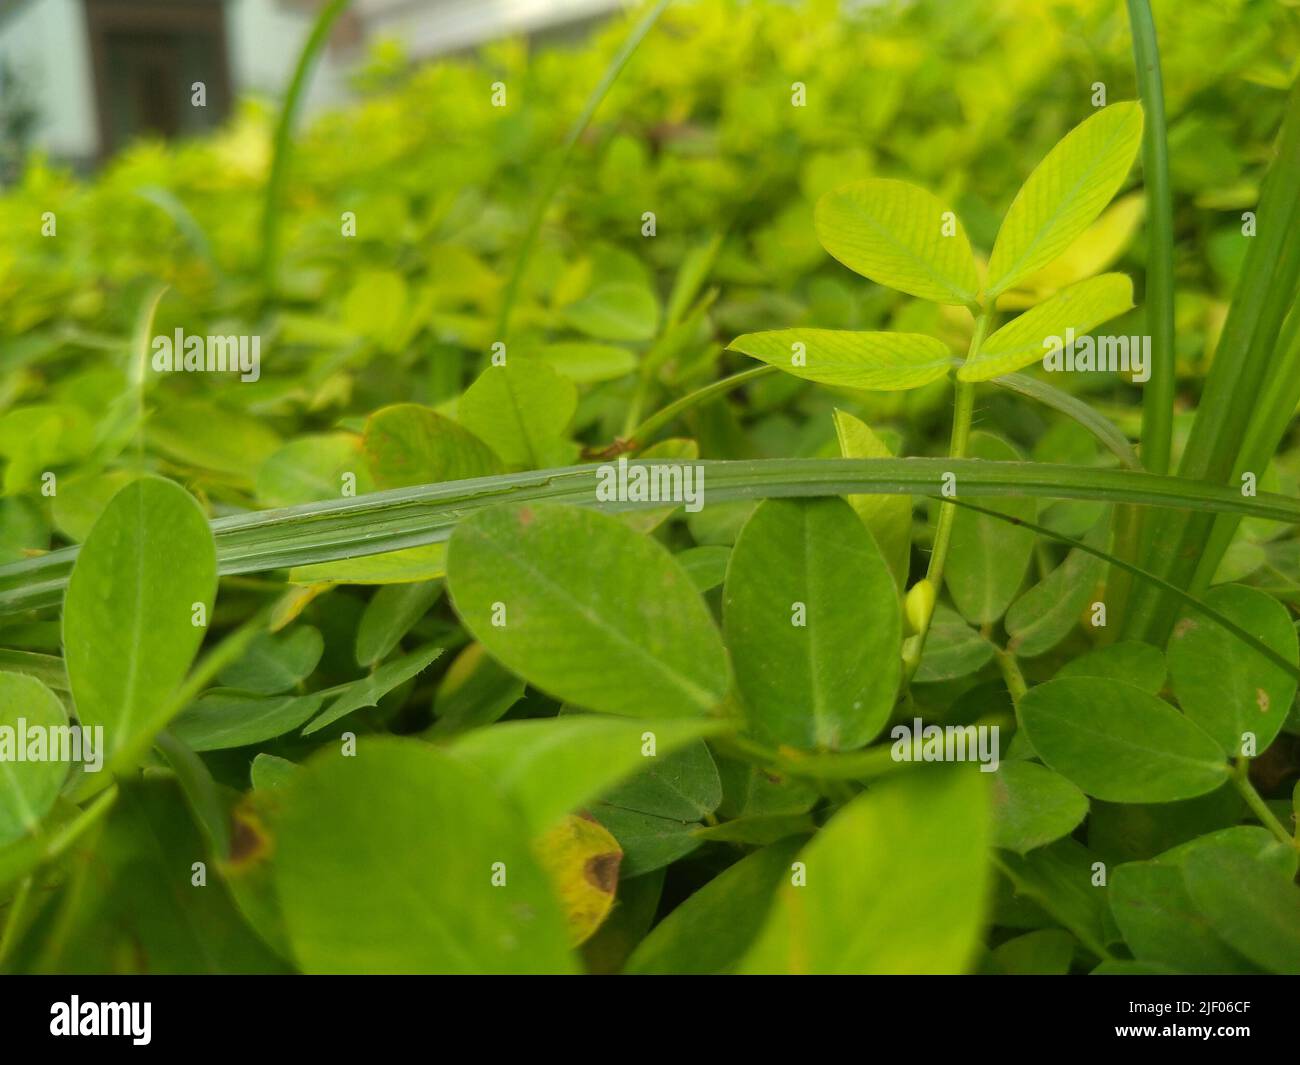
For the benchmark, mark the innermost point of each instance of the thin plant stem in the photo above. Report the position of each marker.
(640, 434)
(1241, 778)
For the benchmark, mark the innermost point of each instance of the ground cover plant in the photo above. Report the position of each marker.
(667, 508)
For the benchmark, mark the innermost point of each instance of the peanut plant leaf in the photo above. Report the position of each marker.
(899, 235)
(314, 468)
(617, 310)
(407, 444)
(521, 411)
(1033, 806)
(1030, 337)
(28, 785)
(649, 841)
(221, 719)
(1065, 194)
(404, 859)
(582, 859)
(987, 557)
(550, 589)
(476, 690)
(888, 517)
(883, 362)
(895, 882)
(683, 785)
(1119, 743)
(1046, 613)
(953, 649)
(1137, 663)
(370, 689)
(137, 606)
(275, 663)
(1236, 694)
(389, 616)
(711, 930)
(556, 766)
(813, 625)
(1249, 904)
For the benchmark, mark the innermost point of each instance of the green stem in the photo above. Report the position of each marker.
(1011, 675)
(1241, 778)
(1158, 392)
(640, 434)
(17, 906)
(552, 184)
(283, 148)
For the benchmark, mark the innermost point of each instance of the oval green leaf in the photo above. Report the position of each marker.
(881, 362)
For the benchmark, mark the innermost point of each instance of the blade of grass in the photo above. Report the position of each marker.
(1106, 432)
(1158, 393)
(552, 183)
(411, 517)
(282, 150)
(1243, 371)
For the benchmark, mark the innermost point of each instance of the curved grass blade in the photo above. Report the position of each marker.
(411, 517)
(1106, 432)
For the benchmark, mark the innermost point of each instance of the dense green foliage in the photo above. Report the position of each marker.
(516, 724)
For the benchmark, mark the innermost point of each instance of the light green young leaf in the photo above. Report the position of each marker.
(988, 557)
(1065, 194)
(555, 766)
(618, 310)
(883, 362)
(385, 863)
(1119, 743)
(899, 235)
(888, 517)
(551, 590)
(145, 575)
(520, 410)
(1223, 684)
(28, 788)
(896, 882)
(813, 625)
(1029, 338)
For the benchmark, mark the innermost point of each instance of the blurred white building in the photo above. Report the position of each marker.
(81, 78)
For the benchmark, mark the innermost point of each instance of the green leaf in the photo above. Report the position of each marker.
(882, 362)
(275, 663)
(1065, 194)
(1032, 806)
(475, 691)
(586, 363)
(128, 620)
(953, 649)
(888, 517)
(556, 766)
(1119, 743)
(619, 310)
(896, 882)
(1249, 904)
(271, 771)
(988, 558)
(683, 785)
(1047, 952)
(385, 863)
(521, 411)
(28, 788)
(706, 565)
(899, 235)
(551, 590)
(1138, 663)
(313, 468)
(199, 433)
(813, 625)
(389, 615)
(369, 690)
(410, 565)
(649, 842)
(710, 931)
(222, 719)
(1061, 879)
(408, 444)
(1050, 610)
(1225, 685)
(1029, 338)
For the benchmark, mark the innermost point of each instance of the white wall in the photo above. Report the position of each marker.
(263, 39)
(46, 44)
